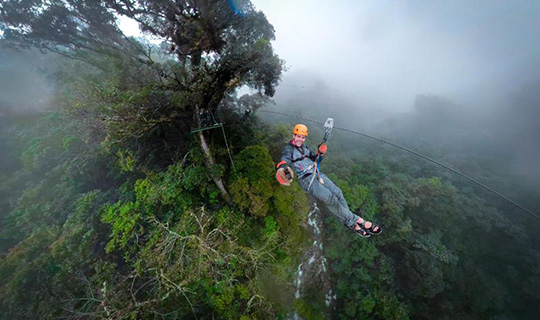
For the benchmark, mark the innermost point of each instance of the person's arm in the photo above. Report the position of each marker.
(321, 150)
(284, 173)
(286, 157)
(311, 155)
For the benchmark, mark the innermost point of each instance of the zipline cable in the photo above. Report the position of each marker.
(415, 153)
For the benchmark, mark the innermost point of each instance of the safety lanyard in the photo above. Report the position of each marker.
(328, 125)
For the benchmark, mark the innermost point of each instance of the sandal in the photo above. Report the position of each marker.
(360, 231)
(371, 230)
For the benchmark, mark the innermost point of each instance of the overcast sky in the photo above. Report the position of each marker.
(390, 51)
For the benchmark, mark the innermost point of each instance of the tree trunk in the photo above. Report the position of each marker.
(210, 162)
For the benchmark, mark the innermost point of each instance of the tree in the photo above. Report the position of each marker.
(218, 47)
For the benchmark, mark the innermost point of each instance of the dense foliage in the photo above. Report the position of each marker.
(453, 250)
(112, 208)
(439, 258)
(162, 243)
(97, 225)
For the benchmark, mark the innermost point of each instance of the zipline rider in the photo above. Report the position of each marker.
(302, 160)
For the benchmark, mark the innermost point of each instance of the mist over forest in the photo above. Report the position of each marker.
(476, 60)
(504, 132)
(25, 82)
(120, 199)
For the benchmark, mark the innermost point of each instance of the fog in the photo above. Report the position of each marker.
(456, 72)
(393, 51)
(25, 83)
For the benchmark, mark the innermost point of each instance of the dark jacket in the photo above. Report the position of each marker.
(300, 159)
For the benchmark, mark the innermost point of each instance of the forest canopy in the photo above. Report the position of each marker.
(114, 204)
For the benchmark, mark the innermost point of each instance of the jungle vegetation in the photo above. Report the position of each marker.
(111, 206)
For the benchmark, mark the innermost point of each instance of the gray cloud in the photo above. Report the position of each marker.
(392, 51)
(24, 85)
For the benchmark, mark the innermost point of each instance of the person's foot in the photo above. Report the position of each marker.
(360, 231)
(367, 226)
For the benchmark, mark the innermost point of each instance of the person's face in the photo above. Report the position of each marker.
(298, 139)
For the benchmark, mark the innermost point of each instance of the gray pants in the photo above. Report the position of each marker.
(329, 194)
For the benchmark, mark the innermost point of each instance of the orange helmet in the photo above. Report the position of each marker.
(300, 129)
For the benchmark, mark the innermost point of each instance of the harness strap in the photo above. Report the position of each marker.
(299, 159)
(301, 150)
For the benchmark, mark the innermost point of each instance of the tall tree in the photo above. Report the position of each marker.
(219, 45)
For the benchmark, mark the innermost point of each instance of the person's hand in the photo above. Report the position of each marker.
(322, 148)
(285, 175)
